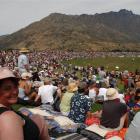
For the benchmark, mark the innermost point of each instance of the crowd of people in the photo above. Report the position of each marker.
(87, 95)
(41, 58)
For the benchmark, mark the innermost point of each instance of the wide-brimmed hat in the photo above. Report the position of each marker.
(72, 87)
(22, 50)
(112, 94)
(6, 73)
(26, 75)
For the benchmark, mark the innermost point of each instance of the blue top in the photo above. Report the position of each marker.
(80, 105)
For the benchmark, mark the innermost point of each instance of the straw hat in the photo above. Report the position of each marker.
(112, 94)
(22, 50)
(72, 87)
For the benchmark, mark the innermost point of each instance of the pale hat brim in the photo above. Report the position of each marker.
(112, 94)
(6, 73)
(113, 97)
(72, 90)
(72, 87)
(26, 75)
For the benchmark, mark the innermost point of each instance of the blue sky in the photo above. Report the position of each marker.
(16, 14)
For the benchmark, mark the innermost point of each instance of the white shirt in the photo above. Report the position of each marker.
(102, 92)
(22, 61)
(102, 75)
(46, 92)
(92, 93)
(121, 97)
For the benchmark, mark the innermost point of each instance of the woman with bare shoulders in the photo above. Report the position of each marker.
(14, 125)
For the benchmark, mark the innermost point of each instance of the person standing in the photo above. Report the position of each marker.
(23, 61)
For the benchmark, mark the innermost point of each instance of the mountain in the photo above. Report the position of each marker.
(112, 31)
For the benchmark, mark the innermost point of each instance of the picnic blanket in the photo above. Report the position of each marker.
(104, 133)
(55, 120)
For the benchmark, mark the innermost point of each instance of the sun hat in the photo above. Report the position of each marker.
(22, 50)
(72, 87)
(26, 75)
(6, 73)
(112, 94)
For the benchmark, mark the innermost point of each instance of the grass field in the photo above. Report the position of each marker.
(124, 63)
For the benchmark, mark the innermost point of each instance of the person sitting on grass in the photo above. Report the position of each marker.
(26, 91)
(15, 125)
(114, 113)
(137, 100)
(112, 117)
(135, 107)
(66, 98)
(133, 132)
(80, 104)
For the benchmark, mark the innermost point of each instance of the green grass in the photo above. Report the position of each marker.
(125, 63)
(96, 107)
(16, 107)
